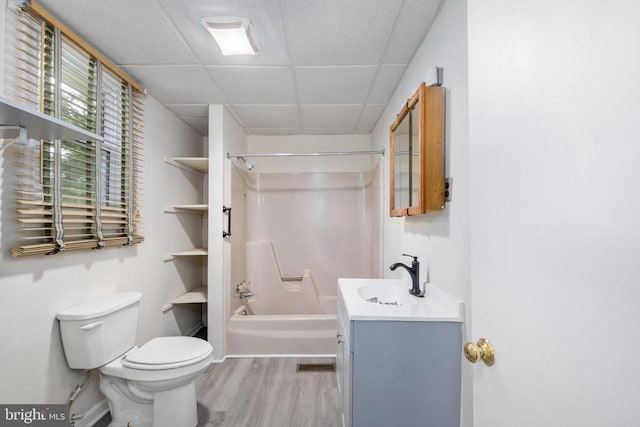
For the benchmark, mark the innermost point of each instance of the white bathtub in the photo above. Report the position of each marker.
(250, 334)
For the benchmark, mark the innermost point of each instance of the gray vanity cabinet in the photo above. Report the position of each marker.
(398, 373)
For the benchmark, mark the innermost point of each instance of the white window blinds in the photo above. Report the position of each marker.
(74, 195)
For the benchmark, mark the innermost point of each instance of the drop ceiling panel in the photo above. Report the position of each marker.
(128, 32)
(276, 131)
(369, 117)
(334, 85)
(329, 116)
(323, 67)
(329, 131)
(414, 21)
(268, 116)
(266, 24)
(338, 32)
(386, 81)
(178, 84)
(255, 85)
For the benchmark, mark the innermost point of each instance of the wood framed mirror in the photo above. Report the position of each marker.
(416, 164)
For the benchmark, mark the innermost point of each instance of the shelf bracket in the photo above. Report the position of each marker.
(14, 133)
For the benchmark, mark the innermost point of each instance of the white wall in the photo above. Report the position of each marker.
(440, 240)
(238, 251)
(225, 135)
(33, 290)
(319, 222)
(3, 31)
(235, 140)
(555, 232)
(323, 226)
(310, 144)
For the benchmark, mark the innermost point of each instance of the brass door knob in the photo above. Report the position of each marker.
(482, 350)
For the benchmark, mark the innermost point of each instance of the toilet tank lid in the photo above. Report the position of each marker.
(100, 306)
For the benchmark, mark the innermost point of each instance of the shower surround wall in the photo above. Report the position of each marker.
(256, 326)
(325, 223)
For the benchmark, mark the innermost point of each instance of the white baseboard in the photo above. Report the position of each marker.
(93, 414)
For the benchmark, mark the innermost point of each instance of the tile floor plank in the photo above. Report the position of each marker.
(267, 392)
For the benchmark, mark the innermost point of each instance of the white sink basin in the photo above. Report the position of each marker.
(386, 295)
(355, 299)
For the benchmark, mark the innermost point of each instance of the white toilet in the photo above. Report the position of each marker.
(147, 386)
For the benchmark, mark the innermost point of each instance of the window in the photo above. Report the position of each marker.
(74, 195)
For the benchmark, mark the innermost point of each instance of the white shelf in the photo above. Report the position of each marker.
(195, 296)
(39, 125)
(195, 252)
(201, 164)
(191, 252)
(198, 209)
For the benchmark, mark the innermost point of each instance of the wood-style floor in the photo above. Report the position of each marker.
(267, 392)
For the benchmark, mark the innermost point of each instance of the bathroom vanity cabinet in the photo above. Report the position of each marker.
(395, 372)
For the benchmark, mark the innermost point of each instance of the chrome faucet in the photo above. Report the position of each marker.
(243, 291)
(245, 294)
(414, 272)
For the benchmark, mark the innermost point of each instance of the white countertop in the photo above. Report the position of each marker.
(436, 306)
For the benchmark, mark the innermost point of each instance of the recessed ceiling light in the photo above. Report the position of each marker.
(232, 34)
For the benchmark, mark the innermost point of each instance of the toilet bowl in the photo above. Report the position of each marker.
(154, 384)
(147, 386)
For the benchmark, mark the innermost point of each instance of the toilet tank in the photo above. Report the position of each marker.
(97, 331)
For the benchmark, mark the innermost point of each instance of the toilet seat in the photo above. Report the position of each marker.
(167, 353)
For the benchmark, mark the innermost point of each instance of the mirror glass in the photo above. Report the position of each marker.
(401, 162)
(414, 155)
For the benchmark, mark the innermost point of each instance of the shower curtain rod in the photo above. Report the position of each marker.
(326, 153)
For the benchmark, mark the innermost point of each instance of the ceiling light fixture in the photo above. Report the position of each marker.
(232, 34)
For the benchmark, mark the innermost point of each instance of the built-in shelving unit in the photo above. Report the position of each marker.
(198, 295)
(39, 125)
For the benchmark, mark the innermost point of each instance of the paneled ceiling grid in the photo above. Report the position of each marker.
(324, 67)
